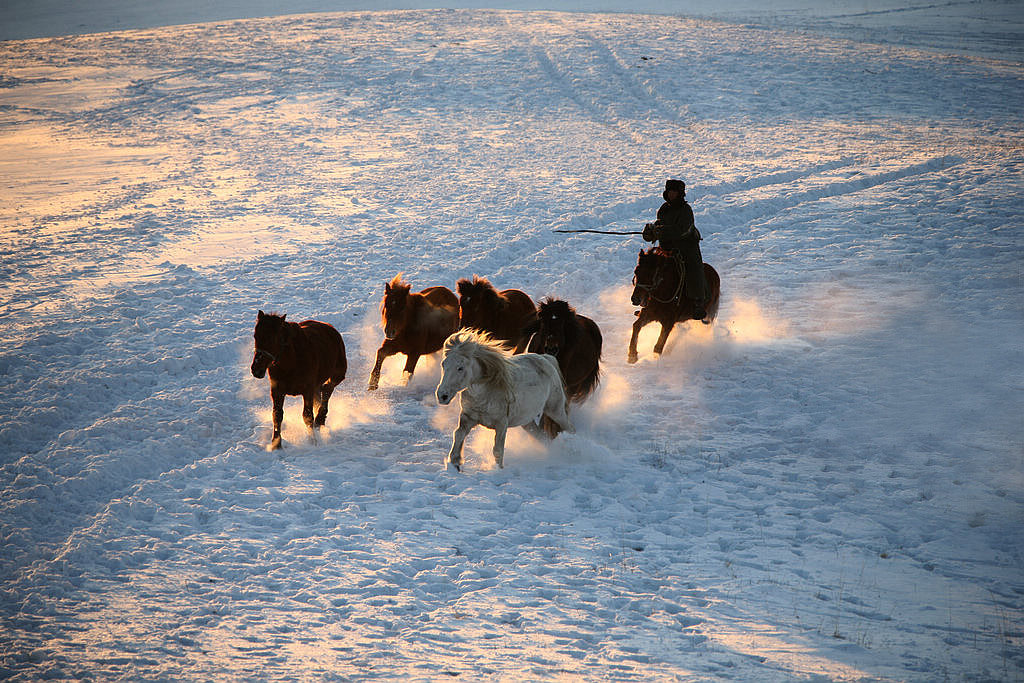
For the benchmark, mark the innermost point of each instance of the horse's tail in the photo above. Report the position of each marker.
(549, 426)
(714, 293)
(340, 363)
(593, 378)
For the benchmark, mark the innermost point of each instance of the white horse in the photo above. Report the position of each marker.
(498, 390)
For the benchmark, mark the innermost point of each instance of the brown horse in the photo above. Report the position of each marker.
(658, 289)
(504, 315)
(575, 340)
(303, 359)
(414, 324)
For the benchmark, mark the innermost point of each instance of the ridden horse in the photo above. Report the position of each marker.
(658, 288)
(498, 390)
(573, 339)
(414, 324)
(303, 359)
(504, 315)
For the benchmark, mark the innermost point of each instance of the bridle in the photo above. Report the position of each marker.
(658, 278)
(268, 354)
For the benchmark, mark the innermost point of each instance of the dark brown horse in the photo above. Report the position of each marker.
(658, 289)
(504, 315)
(414, 324)
(304, 359)
(575, 340)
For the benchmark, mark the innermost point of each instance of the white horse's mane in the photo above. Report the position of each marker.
(491, 353)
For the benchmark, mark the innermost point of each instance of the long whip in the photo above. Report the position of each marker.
(606, 232)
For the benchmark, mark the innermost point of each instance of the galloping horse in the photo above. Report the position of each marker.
(573, 339)
(414, 324)
(498, 390)
(303, 359)
(658, 290)
(503, 315)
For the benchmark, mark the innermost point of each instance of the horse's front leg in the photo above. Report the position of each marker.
(638, 325)
(277, 410)
(666, 328)
(459, 438)
(386, 349)
(498, 451)
(410, 365)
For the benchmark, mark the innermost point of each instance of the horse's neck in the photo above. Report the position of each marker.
(670, 269)
(499, 308)
(296, 343)
(486, 389)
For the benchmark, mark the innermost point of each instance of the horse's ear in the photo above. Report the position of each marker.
(387, 287)
(260, 315)
(283, 316)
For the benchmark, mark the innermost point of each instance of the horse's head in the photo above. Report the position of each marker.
(394, 307)
(647, 276)
(458, 368)
(476, 297)
(271, 336)
(553, 318)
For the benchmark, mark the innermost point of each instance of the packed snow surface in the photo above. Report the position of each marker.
(827, 483)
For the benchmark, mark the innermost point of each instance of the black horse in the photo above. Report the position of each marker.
(575, 340)
(658, 288)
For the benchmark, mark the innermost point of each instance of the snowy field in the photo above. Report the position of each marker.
(827, 484)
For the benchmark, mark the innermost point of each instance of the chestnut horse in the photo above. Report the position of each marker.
(303, 359)
(504, 315)
(414, 324)
(574, 340)
(658, 288)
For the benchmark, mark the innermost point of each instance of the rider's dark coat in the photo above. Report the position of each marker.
(676, 232)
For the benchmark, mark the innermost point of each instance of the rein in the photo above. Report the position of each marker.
(650, 289)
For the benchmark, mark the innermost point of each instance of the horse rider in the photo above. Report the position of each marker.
(675, 232)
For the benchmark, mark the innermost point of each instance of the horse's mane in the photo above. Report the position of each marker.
(558, 307)
(491, 353)
(278, 321)
(658, 251)
(479, 285)
(398, 283)
(274, 319)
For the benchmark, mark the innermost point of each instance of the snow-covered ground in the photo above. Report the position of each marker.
(827, 484)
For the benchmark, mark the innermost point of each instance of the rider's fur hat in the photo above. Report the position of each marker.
(673, 184)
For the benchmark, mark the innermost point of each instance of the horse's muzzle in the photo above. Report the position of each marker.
(637, 299)
(261, 360)
(444, 398)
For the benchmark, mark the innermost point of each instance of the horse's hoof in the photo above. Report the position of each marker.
(632, 358)
(275, 445)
